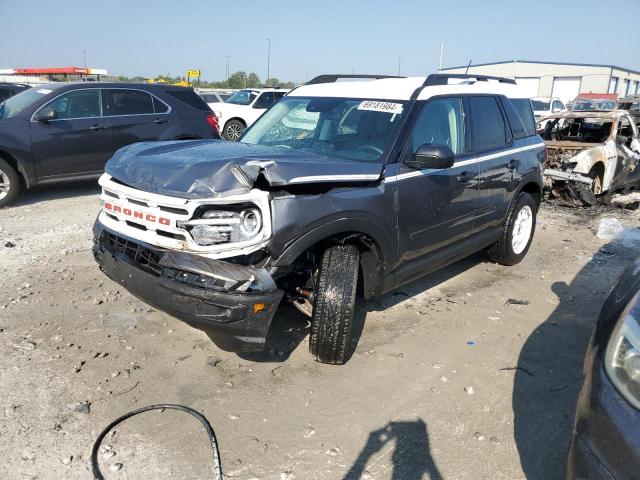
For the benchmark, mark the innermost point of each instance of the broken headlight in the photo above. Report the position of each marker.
(622, 358)
(229, 225)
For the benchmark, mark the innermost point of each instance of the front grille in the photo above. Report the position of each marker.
(144, 258)
(148, 260)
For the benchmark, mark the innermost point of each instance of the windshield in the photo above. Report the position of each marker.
(582, 105)
(242, 97)
(540, 105)
(14, 105)
(354, 129)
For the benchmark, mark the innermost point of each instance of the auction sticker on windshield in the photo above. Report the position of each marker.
(387, 107)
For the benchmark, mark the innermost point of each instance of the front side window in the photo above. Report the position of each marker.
(77, 104)
(441, 122)
(265, 100)
(488, 130)
(130, 102)
(349, 128)
(557, 105)
(243, 97)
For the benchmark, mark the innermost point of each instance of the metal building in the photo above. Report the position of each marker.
(563, 80)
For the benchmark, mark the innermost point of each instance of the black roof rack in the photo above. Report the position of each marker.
(331, 78)
(443, 78)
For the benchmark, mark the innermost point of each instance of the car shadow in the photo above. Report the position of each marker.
(58, 191)
(411, 457)
(548, 376)
(290, 327)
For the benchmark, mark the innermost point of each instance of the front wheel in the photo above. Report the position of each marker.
(10, 185)
(334, 304)
(518, 232)
(233, 129)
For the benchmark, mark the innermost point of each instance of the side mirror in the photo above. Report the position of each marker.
(431, 156)
(45, 115)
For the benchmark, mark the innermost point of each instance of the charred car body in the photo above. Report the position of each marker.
(340, 187)
(591, 154)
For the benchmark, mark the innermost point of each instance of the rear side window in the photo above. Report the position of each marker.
(488, 130)
(524, 110)
(190, 98)
(130, 102)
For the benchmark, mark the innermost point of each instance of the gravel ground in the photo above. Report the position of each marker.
(450, 379)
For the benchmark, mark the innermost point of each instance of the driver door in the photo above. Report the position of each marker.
(437, 207)
(76, 141)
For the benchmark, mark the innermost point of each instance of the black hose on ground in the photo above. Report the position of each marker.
(97, 474)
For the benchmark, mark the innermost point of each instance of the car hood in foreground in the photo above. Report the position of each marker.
(206, 168)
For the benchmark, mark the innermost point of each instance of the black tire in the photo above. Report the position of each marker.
(233, 129)
(502, 251)
(10, 184)
(334, 304)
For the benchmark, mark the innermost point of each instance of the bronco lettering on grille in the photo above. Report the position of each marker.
(136, 214)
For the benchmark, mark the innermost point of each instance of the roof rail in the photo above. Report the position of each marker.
(331, 78)
(443, 78)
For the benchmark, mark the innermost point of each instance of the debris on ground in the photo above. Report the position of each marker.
(516, 301)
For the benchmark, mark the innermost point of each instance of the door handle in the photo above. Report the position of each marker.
(513, 164)
(97, 126)
(158, 121)
(465, 176)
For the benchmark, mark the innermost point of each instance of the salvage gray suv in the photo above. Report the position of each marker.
(342, 188)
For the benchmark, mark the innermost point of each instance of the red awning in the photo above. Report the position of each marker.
(53, 71)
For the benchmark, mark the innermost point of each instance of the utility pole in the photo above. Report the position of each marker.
(227, 57)
(399, 63)
(84, 57)
(268, 60)
(441, 56)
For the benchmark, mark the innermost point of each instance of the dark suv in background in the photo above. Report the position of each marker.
(69, 130)
(8, 90)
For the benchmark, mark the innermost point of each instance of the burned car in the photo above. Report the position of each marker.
(591, 155)
(342, 189)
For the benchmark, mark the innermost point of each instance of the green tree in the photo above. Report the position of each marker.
(272, 83)
(237, 80)
(253, 80)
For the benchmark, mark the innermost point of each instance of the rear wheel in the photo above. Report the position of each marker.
(10, 185)
(233, 129)
(518, 232)
(334, 304)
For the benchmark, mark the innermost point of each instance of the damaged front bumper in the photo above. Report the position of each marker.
(234, 304)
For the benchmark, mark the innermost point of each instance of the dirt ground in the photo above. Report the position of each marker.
(449, 379)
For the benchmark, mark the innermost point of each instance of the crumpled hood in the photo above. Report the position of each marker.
(209, 168)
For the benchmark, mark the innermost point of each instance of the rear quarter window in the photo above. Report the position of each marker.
(189, 97)
(522, 107)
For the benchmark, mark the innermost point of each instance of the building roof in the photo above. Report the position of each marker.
(545, 63)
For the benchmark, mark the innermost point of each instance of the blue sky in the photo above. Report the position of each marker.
(140, 37)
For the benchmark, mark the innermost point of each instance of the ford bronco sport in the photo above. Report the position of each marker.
(341, 188)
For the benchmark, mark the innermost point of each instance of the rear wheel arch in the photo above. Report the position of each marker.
(532, 188)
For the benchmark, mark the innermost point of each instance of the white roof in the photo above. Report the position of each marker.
(403, 88)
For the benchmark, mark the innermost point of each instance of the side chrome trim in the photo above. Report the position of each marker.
(471, 161)
(335, 178)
